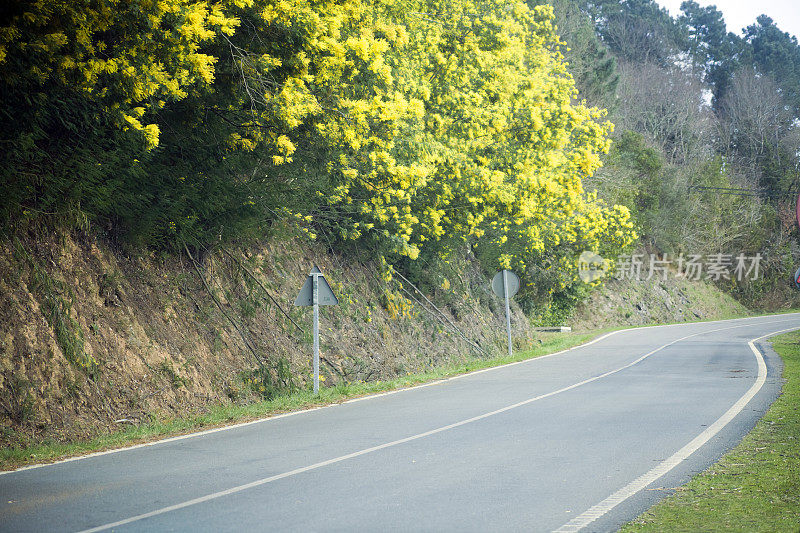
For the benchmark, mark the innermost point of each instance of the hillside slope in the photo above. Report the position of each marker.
(638, 302)
(91, 340)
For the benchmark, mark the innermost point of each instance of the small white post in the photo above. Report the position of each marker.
(315, 302)
(508, 310)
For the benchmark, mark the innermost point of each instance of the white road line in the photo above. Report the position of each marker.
(263, 481)
(595, 512)
(293, 413)
(489, 369)
(363, 398)
(161, 441)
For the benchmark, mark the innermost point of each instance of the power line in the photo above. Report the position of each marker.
(745, 191)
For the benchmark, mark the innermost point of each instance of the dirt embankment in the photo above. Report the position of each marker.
(637, 302)
(91, 340)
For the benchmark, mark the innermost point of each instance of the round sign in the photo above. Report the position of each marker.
(797, 278)
(512, 280)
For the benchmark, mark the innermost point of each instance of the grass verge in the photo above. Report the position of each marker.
(756, 486)
(221, 415)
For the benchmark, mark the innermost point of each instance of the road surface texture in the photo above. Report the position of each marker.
(581, 440)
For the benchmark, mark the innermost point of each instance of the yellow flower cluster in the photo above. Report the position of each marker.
(445, 120)
(135, 56)
(435, 121)
(397, 306)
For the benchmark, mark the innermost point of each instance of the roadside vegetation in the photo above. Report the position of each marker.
(754, 487)
(280, 400)
(405, 132)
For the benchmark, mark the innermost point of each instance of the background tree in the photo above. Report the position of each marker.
(667, 107)
(757, 130)
(636, 30)
(776, 53)
(589, 60)
(713, 50)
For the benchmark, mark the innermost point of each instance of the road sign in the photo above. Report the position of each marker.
(316, 292)
(797, 278)
(505, 284)
(498, 284)
(306, 296)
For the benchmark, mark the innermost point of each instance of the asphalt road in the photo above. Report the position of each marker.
(587, 438)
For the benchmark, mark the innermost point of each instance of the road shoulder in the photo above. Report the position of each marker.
(755, 486)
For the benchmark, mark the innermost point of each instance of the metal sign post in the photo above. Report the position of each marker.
(316, 292)
(315, 299)
(508, 311)
(506, 284)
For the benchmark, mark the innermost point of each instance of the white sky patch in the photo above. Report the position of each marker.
(739, 14)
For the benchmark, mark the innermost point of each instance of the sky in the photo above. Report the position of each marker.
(739, 14)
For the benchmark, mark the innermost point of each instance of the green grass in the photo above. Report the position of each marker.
(756, 486)
(221, 415)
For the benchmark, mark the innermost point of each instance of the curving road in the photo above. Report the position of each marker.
(582, 440)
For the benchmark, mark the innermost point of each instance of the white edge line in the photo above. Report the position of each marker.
(293, 413)
(593, 513)
(263, 481)
(362, 398)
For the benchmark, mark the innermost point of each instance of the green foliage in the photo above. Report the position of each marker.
(747, 139)
(715, 51)
(636, 30)
(643, 160)
(633, 175)
(271, 381)
(559, 310)
(590, 62)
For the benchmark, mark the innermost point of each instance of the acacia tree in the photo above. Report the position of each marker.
(412, 126)
(130, 60)
(82, 88)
